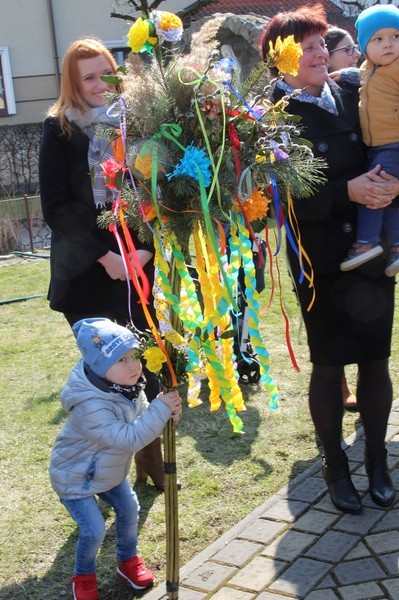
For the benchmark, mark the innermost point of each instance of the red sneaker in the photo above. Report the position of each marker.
(136, 573)
(84, 587)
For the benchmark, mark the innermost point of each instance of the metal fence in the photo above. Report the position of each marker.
(22, 227)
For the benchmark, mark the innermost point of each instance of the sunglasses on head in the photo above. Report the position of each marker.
(350, 49)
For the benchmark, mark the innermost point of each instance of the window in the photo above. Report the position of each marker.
(119, 50)
(7, 101)
(120, 55)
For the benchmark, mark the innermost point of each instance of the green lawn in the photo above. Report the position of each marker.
(224, 476)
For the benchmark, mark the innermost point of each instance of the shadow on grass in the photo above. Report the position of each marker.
(213, 433)
(54, 399)
(56, 583)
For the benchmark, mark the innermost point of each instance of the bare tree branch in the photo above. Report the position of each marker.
(145, 8)
(193, 7)
(122, 16)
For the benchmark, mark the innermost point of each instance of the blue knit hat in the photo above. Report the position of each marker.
(102, 342)
(374, 18)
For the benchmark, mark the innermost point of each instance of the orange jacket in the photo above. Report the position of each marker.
(379, 103)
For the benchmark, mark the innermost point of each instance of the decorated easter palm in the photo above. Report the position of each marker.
(201, 164)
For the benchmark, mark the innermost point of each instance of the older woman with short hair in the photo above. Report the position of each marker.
(352, 317)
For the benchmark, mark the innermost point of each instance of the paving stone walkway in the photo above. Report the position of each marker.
(297, 545)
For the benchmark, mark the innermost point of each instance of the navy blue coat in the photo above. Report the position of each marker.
(327, 220)
(351, 318)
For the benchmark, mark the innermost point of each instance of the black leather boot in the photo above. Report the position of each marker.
(380, 482)
(343, 493)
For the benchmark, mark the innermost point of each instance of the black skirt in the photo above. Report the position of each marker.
(351, 319)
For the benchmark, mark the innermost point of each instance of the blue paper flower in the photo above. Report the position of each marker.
(193, 159)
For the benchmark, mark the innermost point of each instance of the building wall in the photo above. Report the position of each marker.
(26, 30)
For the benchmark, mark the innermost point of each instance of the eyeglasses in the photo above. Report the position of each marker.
(350, 50)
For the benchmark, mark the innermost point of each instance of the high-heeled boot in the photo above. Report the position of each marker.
(149, 462)
(380, 483)
(342, 492)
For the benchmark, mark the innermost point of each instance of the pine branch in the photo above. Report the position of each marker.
(253, 79)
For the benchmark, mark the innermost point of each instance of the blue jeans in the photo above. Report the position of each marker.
(371, 222)
(86, 513)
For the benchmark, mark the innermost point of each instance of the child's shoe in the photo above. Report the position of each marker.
(360, 253)
(393, 261)
(136, 573)
(84, 587)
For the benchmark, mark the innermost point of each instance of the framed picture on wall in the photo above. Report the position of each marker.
(7, 100)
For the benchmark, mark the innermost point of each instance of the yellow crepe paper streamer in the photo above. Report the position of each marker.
(164, 297)
(244, 243)
(162, 288)
(218, 351)
(189, 309)
(218, 354)
(215, 295)
(194, 389)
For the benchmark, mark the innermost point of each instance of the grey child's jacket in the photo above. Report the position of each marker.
(93, 451)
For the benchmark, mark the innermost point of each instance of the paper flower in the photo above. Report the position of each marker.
(154, 358)
(193, 159)
(139, 38)
(279, 153)
(141, 157)
(113, 171)
(143, 164)
(276, 153)
(285, 55)
(168, 26)
(148, 211)
(257, 206)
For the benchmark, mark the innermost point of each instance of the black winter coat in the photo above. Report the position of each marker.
(78, 283)
(327, 220)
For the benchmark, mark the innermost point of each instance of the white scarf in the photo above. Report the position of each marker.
(325, 101)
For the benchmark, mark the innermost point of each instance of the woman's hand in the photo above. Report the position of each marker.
(144, 256)
(335, 76)
(113, 264)
(374, 189)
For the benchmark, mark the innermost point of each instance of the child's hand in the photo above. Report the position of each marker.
(173, 400)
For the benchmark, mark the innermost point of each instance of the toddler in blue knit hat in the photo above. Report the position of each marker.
(378, 37)
(109, 419)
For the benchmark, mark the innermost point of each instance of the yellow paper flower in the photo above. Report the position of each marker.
(143, 164)
(235, 207)
(285, 55)
(257, 206)
(139, 35)
(168, 27)
(154, 358)
(169, 21)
